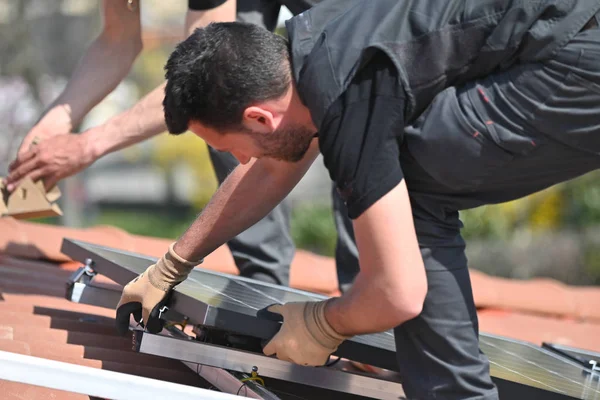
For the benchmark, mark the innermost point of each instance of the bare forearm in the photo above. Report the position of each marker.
(391, 286)
(104, 64)
(98, 73)
(365, 308)
(236, 206)
(249, 193)
(143, 121)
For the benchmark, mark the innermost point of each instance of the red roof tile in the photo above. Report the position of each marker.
(20, 391)
(537, 328)
(36, 320)
(539, 296)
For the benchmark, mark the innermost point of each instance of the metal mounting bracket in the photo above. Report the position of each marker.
(83, 274)
(81, 288)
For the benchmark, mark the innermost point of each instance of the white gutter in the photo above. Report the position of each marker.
(95, 382)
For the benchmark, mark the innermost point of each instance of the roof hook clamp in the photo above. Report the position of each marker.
(82, 275)
(595, 367)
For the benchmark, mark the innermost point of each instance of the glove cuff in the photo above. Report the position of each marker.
(182, 260)
(170, 270)
(319, 327)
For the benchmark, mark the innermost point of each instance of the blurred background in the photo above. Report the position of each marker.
(157, 187)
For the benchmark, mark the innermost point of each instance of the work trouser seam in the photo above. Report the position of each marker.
(555, 90)
(584, 81)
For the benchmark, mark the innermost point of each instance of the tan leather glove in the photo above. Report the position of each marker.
(145, 295)
(305, 337)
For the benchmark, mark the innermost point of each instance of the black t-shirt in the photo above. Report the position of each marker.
(361, 134)
(204, 4)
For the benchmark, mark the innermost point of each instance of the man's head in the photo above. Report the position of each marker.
(230, 83)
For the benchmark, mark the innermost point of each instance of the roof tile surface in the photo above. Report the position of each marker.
(36, 320)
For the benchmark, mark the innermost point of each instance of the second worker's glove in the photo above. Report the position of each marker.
(145, 295)
(305, 336)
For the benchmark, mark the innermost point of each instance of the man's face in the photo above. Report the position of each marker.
(287, 143)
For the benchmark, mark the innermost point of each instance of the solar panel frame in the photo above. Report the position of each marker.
(533, 366)
(580, 355)
(377, 350)
(512, 372)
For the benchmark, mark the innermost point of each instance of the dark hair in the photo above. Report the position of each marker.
(218, 71)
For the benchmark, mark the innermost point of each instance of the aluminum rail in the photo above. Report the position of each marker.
(95, 382)
(244, 361)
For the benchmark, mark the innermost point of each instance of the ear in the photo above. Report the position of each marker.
(258, 119)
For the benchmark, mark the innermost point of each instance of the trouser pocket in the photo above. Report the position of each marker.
(452, 144)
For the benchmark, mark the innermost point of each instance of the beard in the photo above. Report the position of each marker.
(288, 144)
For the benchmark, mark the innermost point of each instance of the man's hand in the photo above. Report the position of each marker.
(145, 295)
(305, 337)
(57, 121)
(51, 160)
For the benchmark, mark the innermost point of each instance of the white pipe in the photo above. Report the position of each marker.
(95, 382)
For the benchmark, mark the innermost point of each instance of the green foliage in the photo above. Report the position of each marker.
(153, 223)
(313, 228)
(574, 204)
(591, 260)
(168, 150)
(582, 205)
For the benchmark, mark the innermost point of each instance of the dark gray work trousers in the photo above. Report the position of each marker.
(265, 251)
(493, 140)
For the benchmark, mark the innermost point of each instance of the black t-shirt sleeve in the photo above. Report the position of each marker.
(361, 136)
(200, 5)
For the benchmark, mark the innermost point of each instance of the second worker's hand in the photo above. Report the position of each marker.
(51, 160)
(56, 122)
(305, 337)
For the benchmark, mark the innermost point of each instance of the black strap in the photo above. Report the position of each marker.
(200, 5)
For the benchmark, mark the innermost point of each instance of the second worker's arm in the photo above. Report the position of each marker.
(102, 67)
(60, 157)
(146, 118)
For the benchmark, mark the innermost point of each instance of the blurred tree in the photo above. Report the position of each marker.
(313, 228)
(170, 151)
(573, 205)
(44, 38)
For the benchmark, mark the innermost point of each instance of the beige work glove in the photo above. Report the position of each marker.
(305, 336)
(145, 295)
